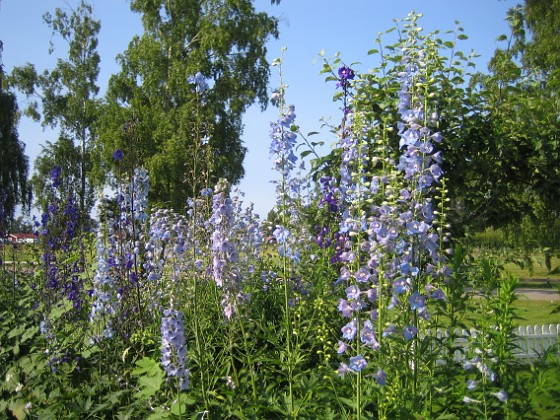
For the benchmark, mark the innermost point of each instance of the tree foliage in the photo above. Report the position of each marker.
(515, 121)
(65, 97)
(164, 116)
(13, 161)
(499, 128)
(542, 20)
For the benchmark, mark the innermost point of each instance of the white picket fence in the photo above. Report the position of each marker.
(535, 340)
(531, 341)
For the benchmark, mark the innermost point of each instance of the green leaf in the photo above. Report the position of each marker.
(312, 133)
(151, 377)
(149, 385)
(159, 413)
(64, 306)
(146, 365)
(16, 331)
(18, 409)
(462, 37)
(30, 332)
(305, 153)
(175, 408)
(555, 270)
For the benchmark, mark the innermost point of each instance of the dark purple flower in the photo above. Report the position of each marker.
(55, 176)
(345, 73)
(55, 172)
(118, 154)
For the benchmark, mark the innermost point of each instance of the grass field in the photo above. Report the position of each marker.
(534, 269)
(532, 312)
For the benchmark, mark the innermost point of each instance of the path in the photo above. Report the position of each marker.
(538, 294)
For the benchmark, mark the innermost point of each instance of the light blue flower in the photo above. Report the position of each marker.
(173, 347)
(349, 330)
(381, 377)
(199, 81)
(358, 363)
(410, 332)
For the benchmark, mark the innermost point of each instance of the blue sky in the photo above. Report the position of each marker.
(306, 27)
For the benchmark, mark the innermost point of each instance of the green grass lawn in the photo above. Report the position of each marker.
(529, 312)
(532, 312)
(538, 271)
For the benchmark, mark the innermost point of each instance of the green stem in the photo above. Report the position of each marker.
(249, 358)
(179, 399)
(287, 320)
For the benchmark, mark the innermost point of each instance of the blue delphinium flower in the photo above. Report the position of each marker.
(224, 250)
(501, 395)
(283, 142)
(358, 363)
(367, 335)
(173, 347)
(410, 332)
(199, 82)
(349, 330)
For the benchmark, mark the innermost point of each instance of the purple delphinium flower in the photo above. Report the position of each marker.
(353, 292)
(345, 308)
(344, 75)
(328, 197)
(55, 176)
(438, 294)
(349, 330)
(367, 335)
(173, 347)
(343, 369)
(381, 377)
(323, 238)
(224, 249)
(118, 154)
(341, 347)
(501, 395)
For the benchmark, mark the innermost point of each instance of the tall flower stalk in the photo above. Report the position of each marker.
(391, 259)
(283, 141)
(225, 259)
(119, 283)
(174, 350)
